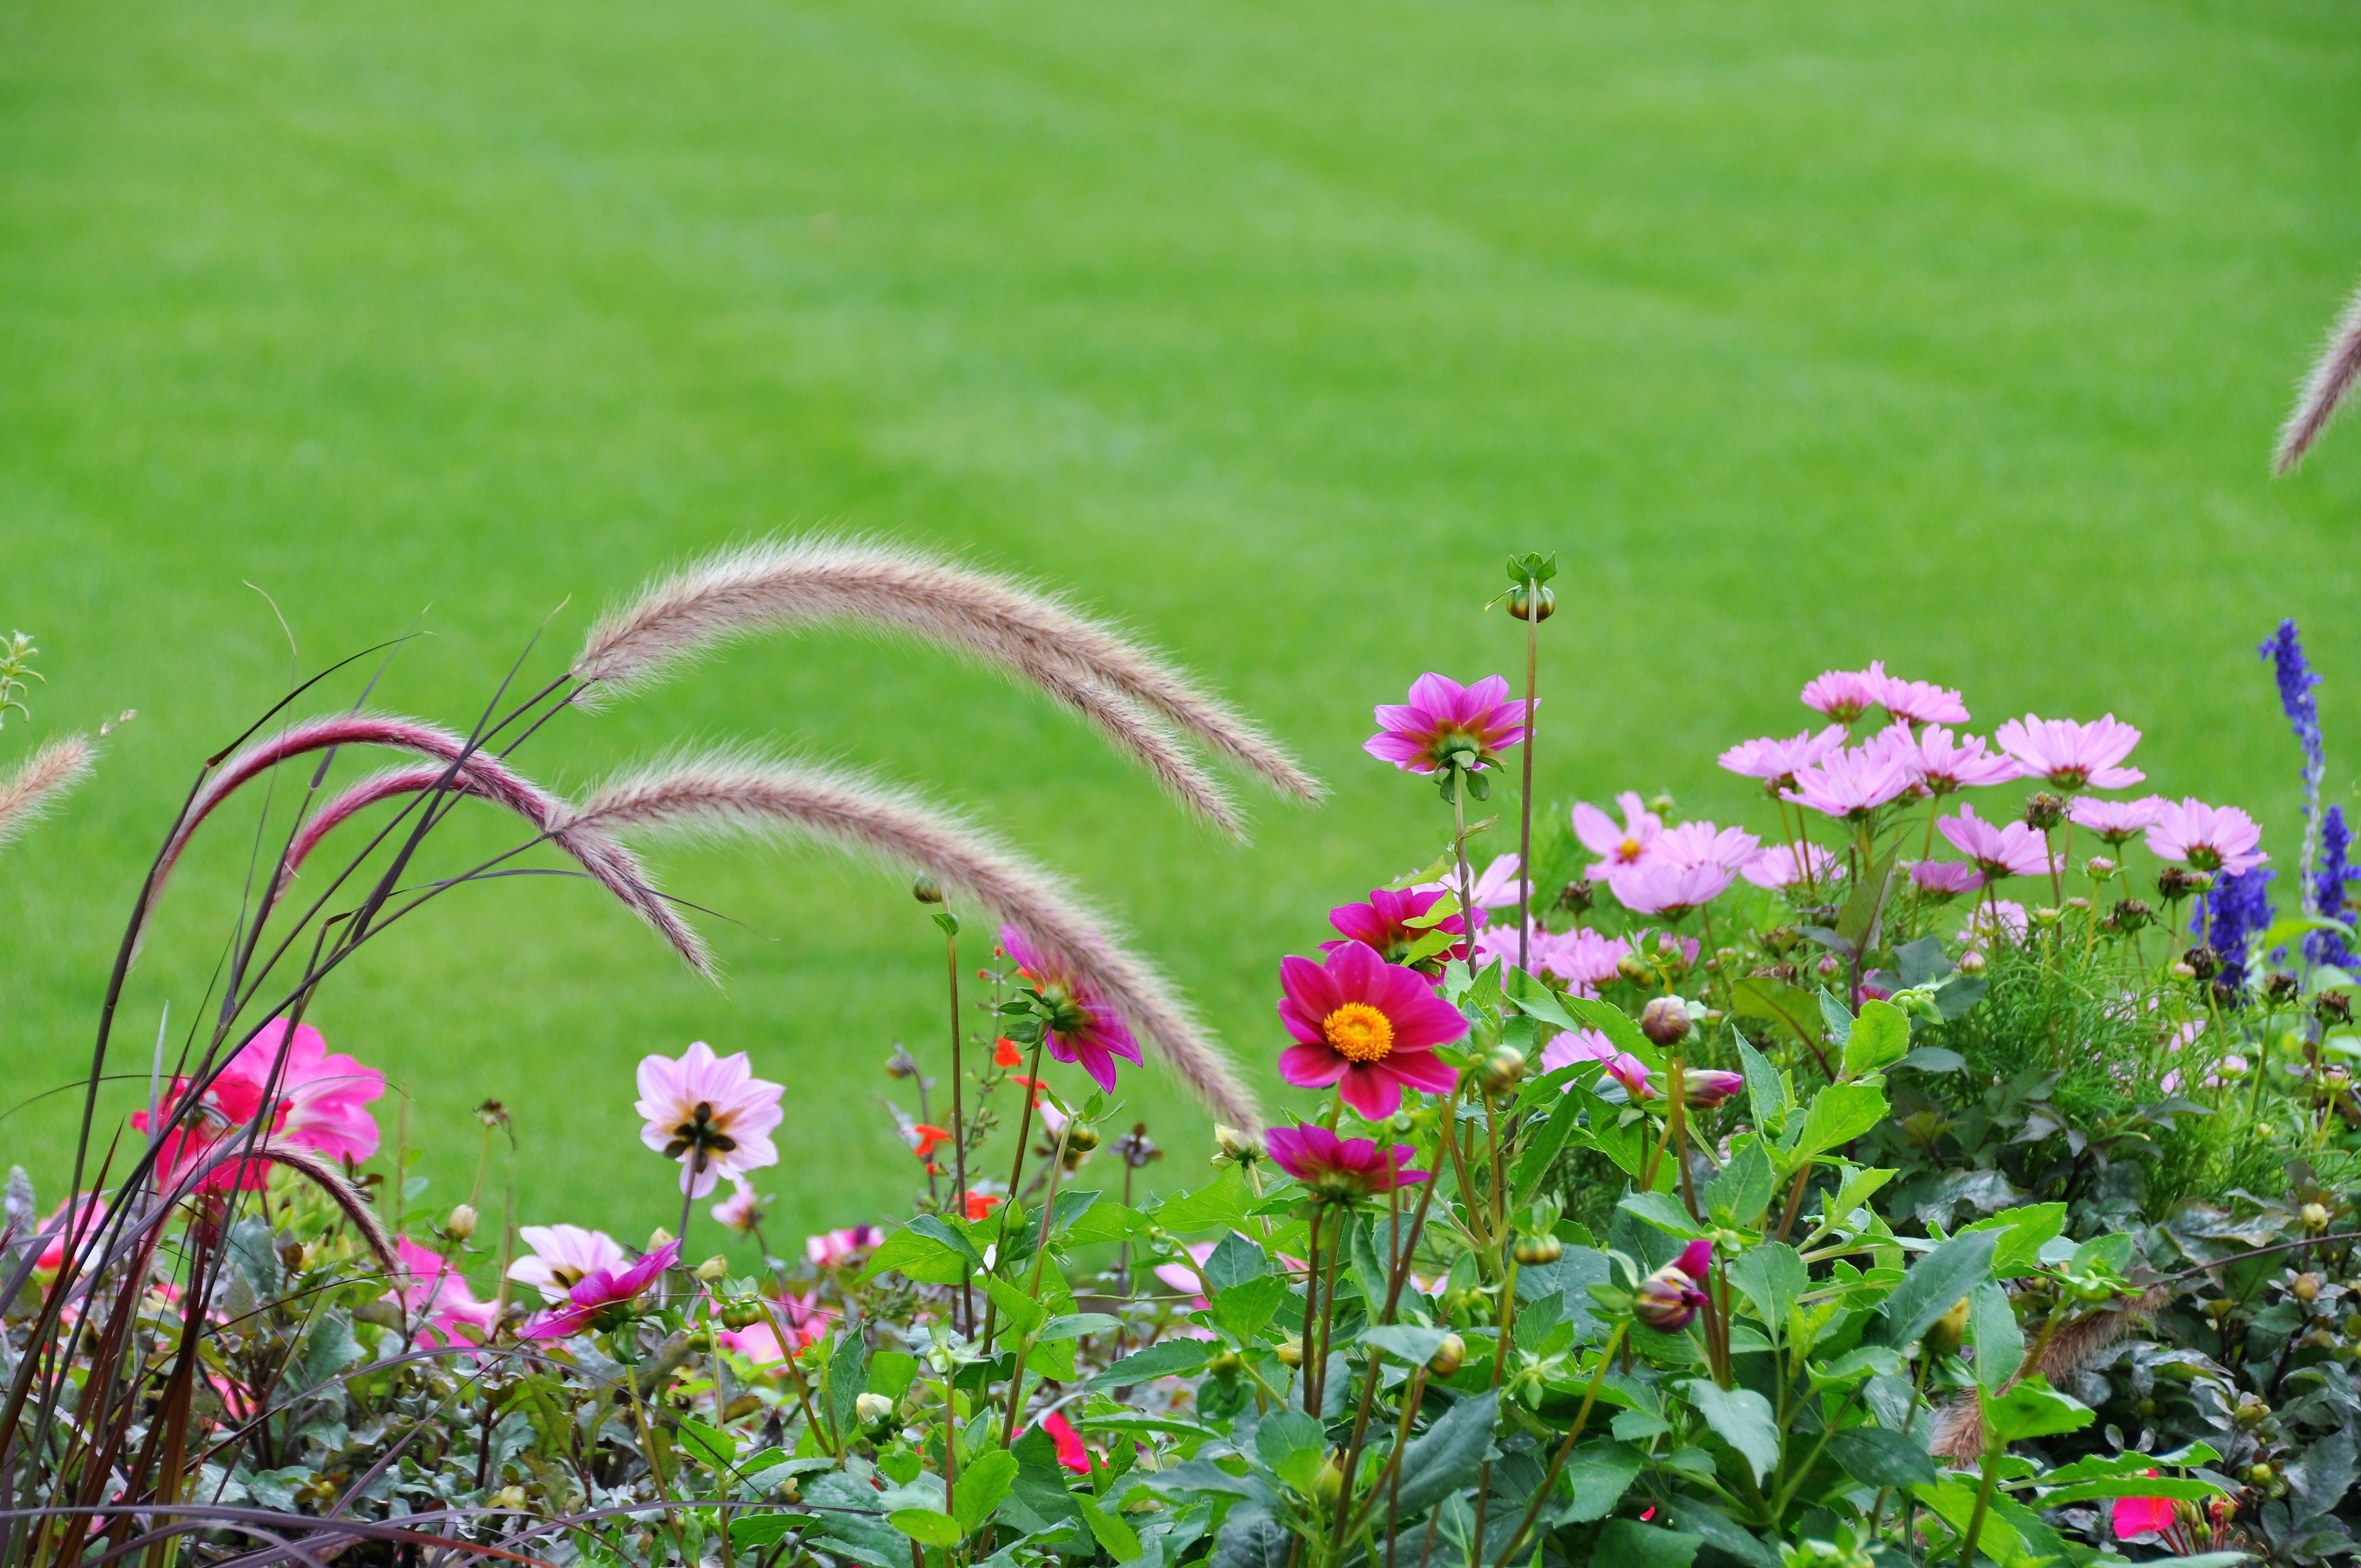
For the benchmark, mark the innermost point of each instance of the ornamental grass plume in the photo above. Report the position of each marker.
(2324, 390)
(27, 794)
(787, 585)
(739, 794)
(1367, 1026)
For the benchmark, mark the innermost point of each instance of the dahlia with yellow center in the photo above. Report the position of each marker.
(1367, 1026)
(1360, 1032)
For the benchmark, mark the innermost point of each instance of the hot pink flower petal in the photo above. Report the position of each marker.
(1365, 1022)
(1442, 717)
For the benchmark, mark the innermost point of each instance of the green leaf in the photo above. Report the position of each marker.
(1934, 1284)
(1776, 1001)
(1766, 1087)
(1739, 1195)
(1602, 1470)
(1406, 1342)
(2033, 1408)
(2022, 1233)
(848, 1376)
(1069, 1207)
(1022, 1312)
(768, 1528)
(1838, 1114)
(1174, 1357)
(1233, 1261)
(983, 1483)
(1628, 1541)
(1664, 1210)
(1857, 921)
(926, 1527)
(1448, 1455)
(1221, 1204)
(1999, 1340)
(1881, 1036)
(1242, 1309)
(1875, 1457)
(1105, 1220)
(1122, 1542)
(710, 1446)
(1544, 1141)
(1740, 1418)
(1773, 1277)
(1077, 1325)
(1857, 1185)
(1283, 1435)
(926, 1250)
(1704, 1520)
(890, 1373)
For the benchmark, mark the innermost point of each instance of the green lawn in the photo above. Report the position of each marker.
(1950, 332)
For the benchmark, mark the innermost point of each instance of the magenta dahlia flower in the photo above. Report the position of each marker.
(1443, 717)
(1921, 702)
(709, 1113)
(2116, 822)
(1853, 783)
(1383, 923)
(1621, 846)
(1340, 1171)
(1366, 1025)
(318, 1101)
(1998, 851)
(604, 1298)
(1708, 1087)
(562, 1257)
(434, 1293)
(1084, 1027)
(1845, 694)
(1784, 865)
(842, 1249)
(2209, 837)
(1776, 762)
(1944, 879)
(1668, 1300)
(1590, 1045)
(2134, 1518)
(1946, 764)
(2073, 756)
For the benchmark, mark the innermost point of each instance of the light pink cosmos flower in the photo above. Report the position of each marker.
(2002, 920)
(1621, 846)
(1845, 694)
(1776, 762)
(1501, 942)
(2116, 822)
(1703, 844)
(562, 1257)
(1921, 702)
(1442, 717)
(1780, 865)
(1998, 851)
(1944, 879)
(435, 1292)
(1590, 1045)
(1583, 960)
(744, 1207)
(318, 1103)
(2073, 756)
(2209, 837)
(1659, 886)
(709, 1113)
(1853, 783)
(1945, 764)
(604, 1297)
(1368, 1027)
(844, 1248)
(1086, 1029)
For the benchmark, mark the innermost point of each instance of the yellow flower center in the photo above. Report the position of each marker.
(1360, 1032)
(1629, 850)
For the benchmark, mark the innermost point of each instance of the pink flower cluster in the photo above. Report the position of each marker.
(284, 1086)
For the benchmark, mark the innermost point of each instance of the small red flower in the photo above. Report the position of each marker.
(980, 1205)
(923, 1139)
(1005, 1054)
(2141, 1516)
(1070, 1451)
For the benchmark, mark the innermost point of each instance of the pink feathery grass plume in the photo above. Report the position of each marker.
(1442, 719)
(434, 1294)
(604, 1298)
(315, 1101)
(1366, 1025)
(2001, 921)
(1945, 764)
(1085, 1028)
(1921, 702)
(844, 1248)
(2073, 756)
(709, 1113)
(1340, 1171)
(1590, 1045)
(1845, 694)
(2136, 1516)
(2325, 391)
(1998, 851)
(1784, 865)
(1383, 923)
(1619, 846)
(2116, 822)
(1852, 784)
(1944, 879)
(2208, 838)
(565, 1255)
(1776, 762)
(39, 782)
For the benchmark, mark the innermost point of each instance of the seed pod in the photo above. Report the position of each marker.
(927, 890)
(1081, 1137)
(2044, 810)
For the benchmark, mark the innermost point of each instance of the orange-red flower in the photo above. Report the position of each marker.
(1005, 1054)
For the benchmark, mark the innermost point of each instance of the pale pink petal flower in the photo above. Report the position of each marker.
(1922, 702)
(1703, 844)
(438, 1294)
(1498, 885)
(709, 1113)
(1583, 962)
(1780, 865)
(1776, 762)
(839, 1249)
(742, 1208)
(1852, 782)
(562, 1257)
(2209, 837)
(2002, 920)
(1944, 879)
(2073, 756)
(1657, 886)
(2015, 850)
(1622, 844)
(2116, 822)
(1845, 694)
(1946, 764)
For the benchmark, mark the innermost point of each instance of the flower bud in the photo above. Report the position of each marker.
(740, 1314)
(927, 890)
(1531, 1252)
(1503, 1069)
(1523, 601)
(1664, 1021)
(2044, 810)
(1447, 1356)
(713, 1268)
(1972, 962)
(1668, 1300)
(1575, 897)
(2078, 904)
(2266, 1131)
(461, 1225)
(2306, 1287)
(2279, 989)
(2261, 1473)
(1080, 1137)
(1943, 1335)
(1706, 1087)
(2251, 1411)
(1290, 1351)
(2173, 884)
(1632, 967)
(871, 1410)
(659, 1239)
(1830, 967)
(511, 1497)
(2332, 1008)
(2099, 867)
(2046, 914)
(1235, 1147)
(1329, 1484)
(1229, 1364)
(2315, 1217)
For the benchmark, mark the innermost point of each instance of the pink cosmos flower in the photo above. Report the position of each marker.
(1845, 694)
(603, 1298)
(744, 1207)
(2118, 822)
(1366, 1025)
(1621, 846)
(1850, 784)
(1444, 717)
(2073, 756)
(709, 1113)
(1998, 851)
(1189, 1282)
(1383, 923)
(1085, 1028)
(1780, 865)
(1582, 960)
(2141, 1516)
(1340, 1171)
(1501, 942)
(1659, 886)
(1703, 844)
(1921, 702)
(1944, 879)
(1945, 764)
(2002, 920)
(2209, 837)
(848, 1247)
(1776, 762)
(1590, 1045)
(1498, 885)
(435, 1293)
(562, 1257)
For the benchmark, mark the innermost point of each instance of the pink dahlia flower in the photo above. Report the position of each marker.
(1708, 1087)
(1071, 1451)
(2073, 756)
(709, 1113)
(436, 1294)
(1442, 718)
(2209, 837)
(1776, 762)
(562, 1257)
(1850, 784)
(1621, 846)
(2116, 822)
(1944, 879)
(1085, 1028)
(1845, 694)
(1921, 702)
(1946, 764)
(1668, 1300)
(1340, 1171)
(1590, 1045)
(847, 1247)
(1781, 865)
(742, 1210)
(1998, 851)
(2134, 1516)
(318, 1101)
(1366, 1025)
(1383, 923)
(604, 1297)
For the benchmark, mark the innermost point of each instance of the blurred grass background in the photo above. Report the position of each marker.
(1951, 333)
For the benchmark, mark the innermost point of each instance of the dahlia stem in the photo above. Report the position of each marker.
(959, 1121)
(1525, 811)
(1311, 1298)
(1565, 1449)
(1024, 1130)
(1459, 849)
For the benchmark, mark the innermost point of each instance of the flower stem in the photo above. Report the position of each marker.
(1565, 1449)
(959, 1126)
(1525, 807)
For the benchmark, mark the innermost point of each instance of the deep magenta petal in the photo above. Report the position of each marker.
(1355, 973)
(1429, 1021)
(1310, 1066)
(1436, 694)
(1374, 1094)
(1423, 1070)
(1310, 985)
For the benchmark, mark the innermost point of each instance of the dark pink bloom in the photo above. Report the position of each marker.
(1780, 865)
(1845, 694)
(1383, 923)
(1621, 846)
(604, 1298)
(1070, 1451)
(2118, 822)
(1998, 851)
(842, 1249)
(1776, 762)
(1944, 879)
(562, 1257)
(436, 1294)
(2210, 838)
(1943, 764)
(1708, 1087)
(318, 1101)
(1342, 1170)
(1590, 1045)
(1852, 782)
(2142, 1516)
(1444, 717)
(1920, 702)
(2073, 756)
(1668, 1300)
(1086, 1028)
(1366, 1025)
(75, 1221)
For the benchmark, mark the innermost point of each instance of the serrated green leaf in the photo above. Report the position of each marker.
(1880, 1037)
(983, 1484)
